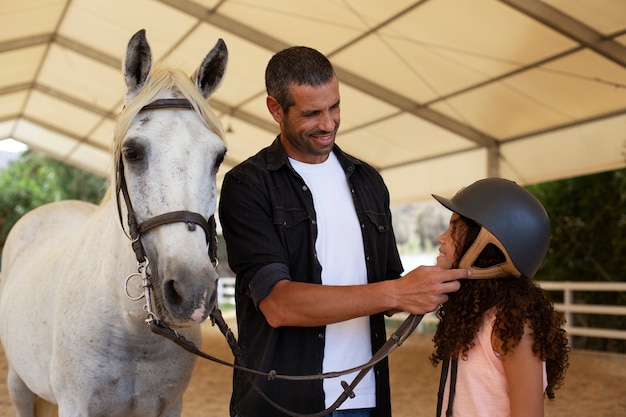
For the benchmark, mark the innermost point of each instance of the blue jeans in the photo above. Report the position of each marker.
(366, 412)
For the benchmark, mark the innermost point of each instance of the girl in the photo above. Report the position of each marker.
(499, 336)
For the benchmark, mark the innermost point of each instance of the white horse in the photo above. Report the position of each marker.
(72, 334)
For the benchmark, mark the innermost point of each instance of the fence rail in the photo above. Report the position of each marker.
(226, 291)
(226, 295)
(569, 307)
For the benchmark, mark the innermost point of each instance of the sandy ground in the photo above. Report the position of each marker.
(595, 384)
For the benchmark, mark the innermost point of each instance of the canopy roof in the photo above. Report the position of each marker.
(435, 94)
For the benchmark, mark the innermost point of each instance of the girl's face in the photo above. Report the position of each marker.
(449, 243)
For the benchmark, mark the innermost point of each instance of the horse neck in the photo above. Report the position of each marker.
(111, 230)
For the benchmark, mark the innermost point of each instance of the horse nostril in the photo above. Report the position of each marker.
(172, 296)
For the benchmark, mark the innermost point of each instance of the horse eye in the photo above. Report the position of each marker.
(131, 154)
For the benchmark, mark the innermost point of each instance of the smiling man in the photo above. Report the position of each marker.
(309, 236)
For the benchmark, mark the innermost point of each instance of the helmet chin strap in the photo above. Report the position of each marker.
(504, 269)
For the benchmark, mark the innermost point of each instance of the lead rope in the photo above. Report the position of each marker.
(442, 385)
(395, 340)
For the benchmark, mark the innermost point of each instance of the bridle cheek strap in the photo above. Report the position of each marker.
(135, 230)
(182, 216)
(504, 269)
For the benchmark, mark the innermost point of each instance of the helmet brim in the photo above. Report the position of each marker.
(449, 204)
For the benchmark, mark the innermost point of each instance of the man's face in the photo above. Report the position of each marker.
(309, 127)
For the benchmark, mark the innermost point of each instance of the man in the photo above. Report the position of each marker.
(309, 236)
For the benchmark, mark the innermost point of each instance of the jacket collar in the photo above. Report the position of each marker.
(277, 157)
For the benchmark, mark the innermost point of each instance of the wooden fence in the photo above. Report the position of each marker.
(226, 296)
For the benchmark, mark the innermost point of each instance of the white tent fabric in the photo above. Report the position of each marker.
(435, 94)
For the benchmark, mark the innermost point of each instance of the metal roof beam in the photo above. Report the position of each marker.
(571, 28)
(63, 132)
(88, 51)
(243, 115)
(261, 39)
(84, 105)
(412, 107)
(9, 89)
(25, 42)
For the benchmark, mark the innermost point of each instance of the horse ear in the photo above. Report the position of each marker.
(209, 75)
(137, 63)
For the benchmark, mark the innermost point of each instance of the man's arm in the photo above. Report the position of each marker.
(301, 304)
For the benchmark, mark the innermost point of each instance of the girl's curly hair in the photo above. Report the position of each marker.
(517, 301)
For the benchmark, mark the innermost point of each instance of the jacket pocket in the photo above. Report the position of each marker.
(379, 221)
(289, 218)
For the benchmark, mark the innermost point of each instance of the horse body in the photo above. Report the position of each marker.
(71, 334)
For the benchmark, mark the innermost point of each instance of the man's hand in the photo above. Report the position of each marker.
(423, 289)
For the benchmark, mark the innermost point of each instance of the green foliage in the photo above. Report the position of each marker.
(34, 179)
(588, 216)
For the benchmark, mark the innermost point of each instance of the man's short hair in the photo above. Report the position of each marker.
(298, 65)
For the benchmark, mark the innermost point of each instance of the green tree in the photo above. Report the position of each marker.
(588, 216)
(34, 179)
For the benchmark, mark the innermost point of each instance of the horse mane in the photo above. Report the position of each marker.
(160, 81)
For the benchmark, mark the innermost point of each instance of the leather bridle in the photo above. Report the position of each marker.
(136, 230)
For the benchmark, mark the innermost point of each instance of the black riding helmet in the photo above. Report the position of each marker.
(511, 218)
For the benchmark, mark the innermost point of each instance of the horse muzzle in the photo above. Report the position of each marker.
(187, 297)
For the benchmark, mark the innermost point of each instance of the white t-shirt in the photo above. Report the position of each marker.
(340, 251)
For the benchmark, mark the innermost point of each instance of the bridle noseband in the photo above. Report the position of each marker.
(136, 230)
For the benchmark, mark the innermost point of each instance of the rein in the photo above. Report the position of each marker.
(395, 340)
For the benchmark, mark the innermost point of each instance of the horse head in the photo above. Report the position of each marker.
(168, 148)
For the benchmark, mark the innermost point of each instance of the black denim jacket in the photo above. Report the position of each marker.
(269, 225)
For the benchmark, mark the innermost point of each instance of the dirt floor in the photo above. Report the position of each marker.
(595, 384)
